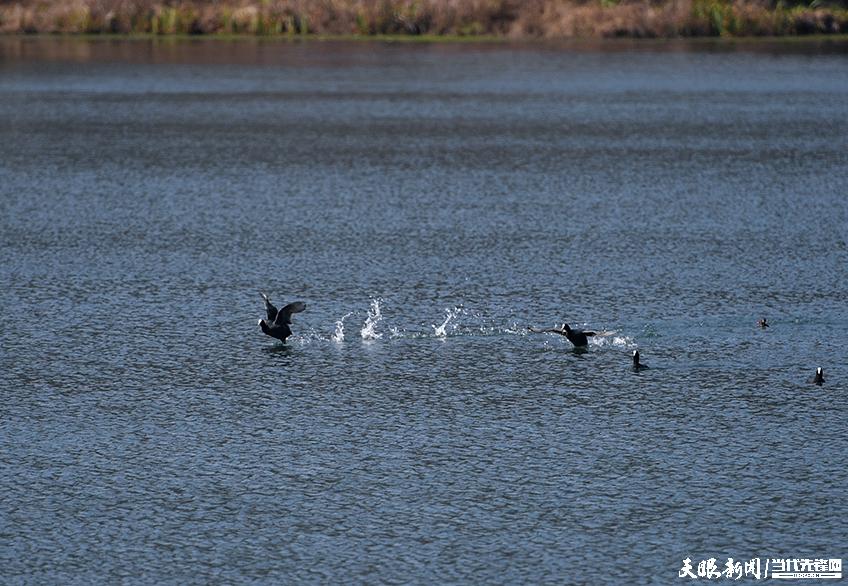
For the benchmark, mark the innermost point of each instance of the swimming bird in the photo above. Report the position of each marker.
(763, 323)
(277, 324)
(577, 337)
(819, 378)
(637, 366)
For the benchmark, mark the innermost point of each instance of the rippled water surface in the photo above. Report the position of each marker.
(428, 202)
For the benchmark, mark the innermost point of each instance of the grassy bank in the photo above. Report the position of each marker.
(471, 18)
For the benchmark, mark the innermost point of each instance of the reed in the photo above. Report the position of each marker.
(468, 18)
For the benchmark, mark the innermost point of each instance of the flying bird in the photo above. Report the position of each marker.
(577, 337)
(278, 321)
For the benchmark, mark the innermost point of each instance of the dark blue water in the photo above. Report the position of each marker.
(428, 203)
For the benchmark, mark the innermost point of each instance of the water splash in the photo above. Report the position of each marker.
(442, 330)
(368, 331)
(515, 328)
(612, 339)
(338, 334)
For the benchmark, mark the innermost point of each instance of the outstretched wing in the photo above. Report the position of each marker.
(269, 308)
(284, 315)
(547, 331)
(590, 333)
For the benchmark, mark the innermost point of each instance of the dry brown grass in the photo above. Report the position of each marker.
(503, 18)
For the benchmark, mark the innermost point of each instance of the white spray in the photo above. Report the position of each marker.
(338, 335)
(374, 316)
(442, 330)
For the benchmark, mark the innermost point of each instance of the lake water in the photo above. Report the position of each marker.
(428, 202)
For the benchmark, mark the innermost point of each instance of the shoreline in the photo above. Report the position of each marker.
(428, 20)
(422, 39)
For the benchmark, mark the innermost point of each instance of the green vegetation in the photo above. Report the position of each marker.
(428, 18)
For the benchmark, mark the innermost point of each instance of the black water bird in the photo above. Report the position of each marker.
(577, 337)
(763, 323)
(819, 378)
(637, 366)
(279, 320)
